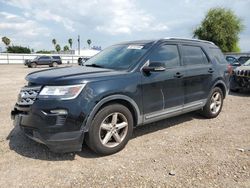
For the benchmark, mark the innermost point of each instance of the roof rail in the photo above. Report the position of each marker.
(188, 39)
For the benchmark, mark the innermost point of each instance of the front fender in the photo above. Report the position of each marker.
(110, 98)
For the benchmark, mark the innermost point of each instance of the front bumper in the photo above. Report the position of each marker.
(239, 82)
(59, 132)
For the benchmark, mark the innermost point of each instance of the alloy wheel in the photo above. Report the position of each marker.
(216, 101)
(113, 129)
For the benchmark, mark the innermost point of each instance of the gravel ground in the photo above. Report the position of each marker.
(185, 151)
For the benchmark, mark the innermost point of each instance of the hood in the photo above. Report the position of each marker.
(243, 68)
(71, 75)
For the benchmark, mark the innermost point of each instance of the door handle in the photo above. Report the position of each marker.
(178, 75)
(210, 70)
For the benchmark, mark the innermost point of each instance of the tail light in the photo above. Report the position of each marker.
(230, 69)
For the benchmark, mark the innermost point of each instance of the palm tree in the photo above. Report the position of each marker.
(65, 48)
(70, 42)
(54, 42)
(58, 48)
(89, 42)
(6, 41)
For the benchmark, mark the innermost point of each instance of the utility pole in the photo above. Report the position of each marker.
(79, 43)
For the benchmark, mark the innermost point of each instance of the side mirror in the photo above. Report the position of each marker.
(154, 67)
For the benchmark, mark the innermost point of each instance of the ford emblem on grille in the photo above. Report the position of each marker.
(28, 95)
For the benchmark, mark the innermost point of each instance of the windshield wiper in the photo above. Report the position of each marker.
(94, 65)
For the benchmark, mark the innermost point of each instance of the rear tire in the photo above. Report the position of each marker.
(110, 129)
(54, 64)
(214, 104)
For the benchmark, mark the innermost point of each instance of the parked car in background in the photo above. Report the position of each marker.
(231, 59)
(235, 61)
(241, 77)
(82, 60)
(120, 88)
(243, 59)
(51, 61)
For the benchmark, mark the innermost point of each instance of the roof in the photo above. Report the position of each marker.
(189, 39)
(169, 39)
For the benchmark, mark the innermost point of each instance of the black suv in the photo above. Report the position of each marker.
(124, 86)
(52, 61)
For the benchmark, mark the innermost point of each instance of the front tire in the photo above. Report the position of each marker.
(214, 104)
(33, 65)
(110, 129)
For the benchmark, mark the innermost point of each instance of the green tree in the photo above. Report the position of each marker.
(89, 42)
(58, 48)
(54, 42)
(6, 41)
(70, 43)
(18, 49)
(222, 27)
(65, 48)
(43, 52)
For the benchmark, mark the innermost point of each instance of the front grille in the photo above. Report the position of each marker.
(243, 73)
(28, 95)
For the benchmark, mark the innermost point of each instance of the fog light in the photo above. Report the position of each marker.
(59, 112)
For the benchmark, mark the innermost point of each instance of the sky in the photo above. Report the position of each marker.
(34, 23)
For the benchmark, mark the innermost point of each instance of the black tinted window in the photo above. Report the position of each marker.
(230, 59)
(242, 60)
(167, 54)
(44, 57)
(56, 57)
(217, 54)
(194, 55)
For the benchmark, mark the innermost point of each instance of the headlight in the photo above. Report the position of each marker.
(61, 92)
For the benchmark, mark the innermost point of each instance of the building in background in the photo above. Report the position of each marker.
(87, 52)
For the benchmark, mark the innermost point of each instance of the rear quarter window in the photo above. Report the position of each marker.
(56, 57)
(218, 55)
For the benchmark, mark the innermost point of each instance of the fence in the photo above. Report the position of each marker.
(237, 54)
(11, 58)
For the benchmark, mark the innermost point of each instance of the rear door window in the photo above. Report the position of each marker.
(194, 55)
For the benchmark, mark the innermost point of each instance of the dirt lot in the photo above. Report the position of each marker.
(185, 151)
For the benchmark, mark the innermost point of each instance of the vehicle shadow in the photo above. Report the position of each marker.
(164, 124)
(243, 93)
(26, 147)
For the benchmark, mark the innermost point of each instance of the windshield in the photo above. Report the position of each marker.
(120, 57)
(247, 63)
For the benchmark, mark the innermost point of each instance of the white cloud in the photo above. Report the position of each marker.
(112, 17)
(48, 15)
(21, 26)
(20, 30)
(110, 21)
(126, 17)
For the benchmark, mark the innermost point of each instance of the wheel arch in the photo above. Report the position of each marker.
(120, 99)
(220, 84)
